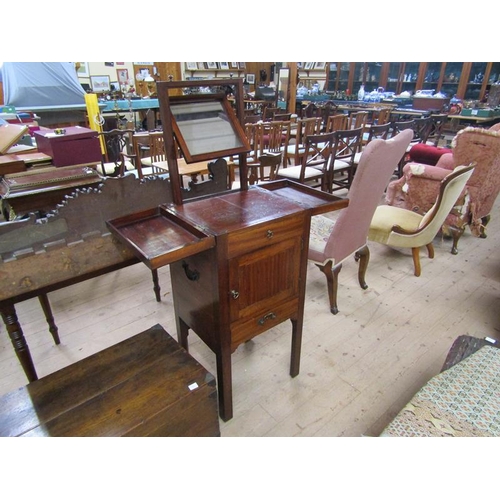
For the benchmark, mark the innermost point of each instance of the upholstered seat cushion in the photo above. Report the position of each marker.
(461, 401)
(386, 217)
(110, 168)
(425, 153)
(294, 172)
(321, 228)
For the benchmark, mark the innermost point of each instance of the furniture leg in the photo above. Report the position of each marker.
(430, 250)
(332, 283)
(156, 284)
(182, 333)
(416, 260)
(47, 310)
(224, 384)
(16, 335)
(363, 256)
(296, 347)
(456, 233)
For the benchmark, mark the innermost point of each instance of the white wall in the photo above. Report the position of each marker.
(101, 69)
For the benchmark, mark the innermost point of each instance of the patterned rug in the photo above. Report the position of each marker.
(461, 401)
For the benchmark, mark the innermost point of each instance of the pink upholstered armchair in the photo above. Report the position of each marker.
(418, 187)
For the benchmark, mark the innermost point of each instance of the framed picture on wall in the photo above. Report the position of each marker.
(100, 84)
(234, 65)
(224, 65)
(308, 65)
(82, 69)
(211, 65)
(122, 75)
(251, 78)
(320, 65)
(191, 65)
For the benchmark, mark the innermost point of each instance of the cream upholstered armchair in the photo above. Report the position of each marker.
(332, 241)
(419, 186)
(398, 227)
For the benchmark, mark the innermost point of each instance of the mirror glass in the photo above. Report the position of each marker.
(205, 127)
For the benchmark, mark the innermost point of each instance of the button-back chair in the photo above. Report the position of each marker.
(402, 228)
(337, 237)
(418, 188)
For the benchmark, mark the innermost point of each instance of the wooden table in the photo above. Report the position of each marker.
(191, 169)
(146, 385)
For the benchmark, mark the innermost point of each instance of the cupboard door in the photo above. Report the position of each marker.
(261, 280)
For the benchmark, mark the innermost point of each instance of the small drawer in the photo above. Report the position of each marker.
(244, 330)
(261, 235)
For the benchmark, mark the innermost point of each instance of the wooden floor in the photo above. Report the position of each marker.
(358, 368)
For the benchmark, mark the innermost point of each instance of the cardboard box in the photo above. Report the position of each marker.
(77, 146)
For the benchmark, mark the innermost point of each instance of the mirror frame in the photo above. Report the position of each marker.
(170, 93)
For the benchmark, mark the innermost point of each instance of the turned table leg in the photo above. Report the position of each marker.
(47, 310)
(16, 335)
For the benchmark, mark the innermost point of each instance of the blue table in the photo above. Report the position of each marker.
(134, 104)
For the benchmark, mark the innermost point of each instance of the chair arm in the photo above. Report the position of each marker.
(400, 230)
(424, 171)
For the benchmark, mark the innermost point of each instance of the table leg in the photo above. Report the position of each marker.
(47, 310)
(16, 335)
(156, 284)
(182, 333)
(224, 384)
(296, 347)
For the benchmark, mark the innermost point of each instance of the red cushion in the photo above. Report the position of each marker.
(424, 153)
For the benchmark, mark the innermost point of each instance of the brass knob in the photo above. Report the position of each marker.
(234, 294)
(269, 234)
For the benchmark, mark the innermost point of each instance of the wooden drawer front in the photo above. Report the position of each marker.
(264, 277)
(246, 329)
(247, 240)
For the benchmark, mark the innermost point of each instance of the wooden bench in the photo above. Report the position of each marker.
(147, 385)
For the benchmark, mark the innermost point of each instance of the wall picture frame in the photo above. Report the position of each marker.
(250, 78)
(122, 76)
(308, 66)
(100, 83)
(191, 66)
(211, 65)
(82, 69)
(224, 65)
(320, 66)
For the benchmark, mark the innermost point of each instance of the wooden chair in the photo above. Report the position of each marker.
(119, 157)
(402, 228)
(345, 146)
(282, 117)
(331, 240)
(253, 132)
(267, 163)
(374, 132)
(269, 112)
(336, 122)
(305, 127)
(436, 129)
(275, 138)
(314, 165)
(383, 116)
(156, 153)
(358, 119)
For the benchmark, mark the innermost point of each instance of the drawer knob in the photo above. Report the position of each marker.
(266, 317)
(234, 294)
(269, 234)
